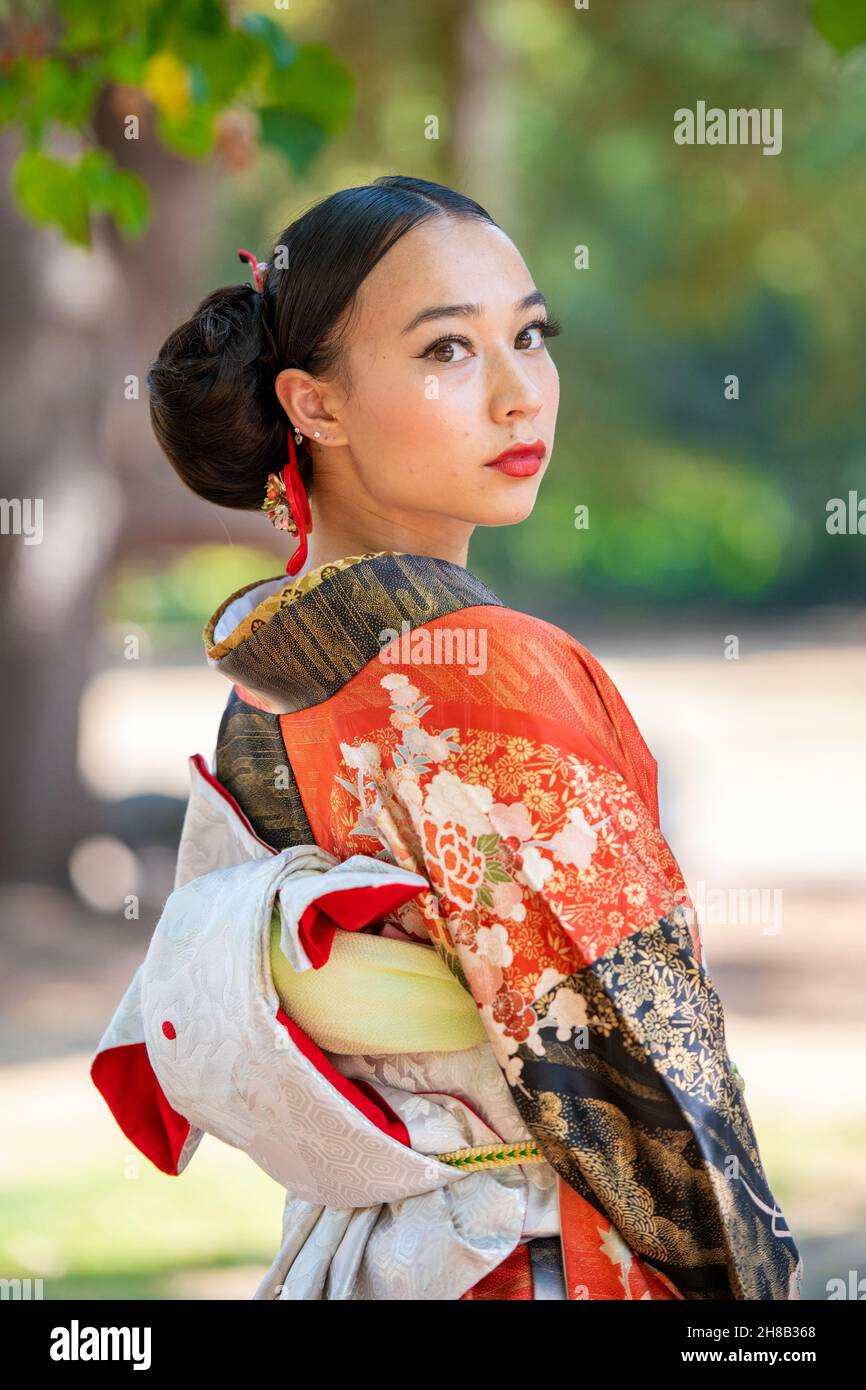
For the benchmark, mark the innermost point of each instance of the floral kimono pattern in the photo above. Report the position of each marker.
(557, 904)
(526, 797)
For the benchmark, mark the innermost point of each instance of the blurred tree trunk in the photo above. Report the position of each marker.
(482, 148)
(53, 378)
(77, 322)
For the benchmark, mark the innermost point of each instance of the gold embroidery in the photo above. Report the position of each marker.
(281, 598)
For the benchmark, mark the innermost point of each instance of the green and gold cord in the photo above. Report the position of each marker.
(493, 1155)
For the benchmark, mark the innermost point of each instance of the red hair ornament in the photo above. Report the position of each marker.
(286, 501)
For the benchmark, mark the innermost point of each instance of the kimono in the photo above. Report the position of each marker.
(431, 962)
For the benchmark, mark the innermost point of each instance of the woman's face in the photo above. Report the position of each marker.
(447, 368)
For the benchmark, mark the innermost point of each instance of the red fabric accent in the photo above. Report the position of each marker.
(227, 796)
(349, 908)
(361, 1093)
(588, 1257)
(510, 1279)
(169, 1029)
(126, 1080)
(299, 504)
(250, 699)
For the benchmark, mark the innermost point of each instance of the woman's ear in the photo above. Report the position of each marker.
(301, 397)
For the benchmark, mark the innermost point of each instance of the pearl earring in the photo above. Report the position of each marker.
(315, 434)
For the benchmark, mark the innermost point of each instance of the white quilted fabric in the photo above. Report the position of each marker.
(365, 1217)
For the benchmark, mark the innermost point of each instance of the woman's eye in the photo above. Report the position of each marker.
(444, 350)
(456, 349)
(526, 333)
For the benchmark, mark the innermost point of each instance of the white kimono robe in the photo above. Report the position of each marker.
(199, 1043)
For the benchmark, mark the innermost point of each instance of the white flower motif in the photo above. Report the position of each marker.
(508, 901)
(535, 869)
(613, 1245)
(402, 693)
(577, 842)
(513, 1070)
(417, 740)
(505, 1046)
(546, 980)
(533, 1039)
(366, 755)
(568, 1011)
(403, 782)
(512, 820)
(463, 803)
(492, 943)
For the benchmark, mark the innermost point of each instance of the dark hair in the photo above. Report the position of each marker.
(213, 407)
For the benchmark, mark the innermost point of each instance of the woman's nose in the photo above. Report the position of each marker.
(514, 392)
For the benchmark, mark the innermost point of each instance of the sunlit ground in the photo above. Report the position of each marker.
(762, 785)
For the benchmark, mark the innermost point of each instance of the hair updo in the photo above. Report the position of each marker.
(213, 407)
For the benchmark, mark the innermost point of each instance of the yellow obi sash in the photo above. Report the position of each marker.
(377, 994)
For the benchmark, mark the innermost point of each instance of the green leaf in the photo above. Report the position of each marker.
(53, 91)
(841, 22)
(496, 874)
(306, 94)
(295, 136)
(95, 26)
(225, 61)
(200, 90)
(192, 136)
(267, 31)
(13, 90)
(317, 85)
(487, 843)
(50, 192)
(117, 191)
(125, 62)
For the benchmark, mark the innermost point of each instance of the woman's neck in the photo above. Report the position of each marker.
(333, 538)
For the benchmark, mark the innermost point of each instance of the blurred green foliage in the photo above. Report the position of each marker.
(704, 261)
(192, 67)
(98, 1233)
(183, 587)
(842, 22)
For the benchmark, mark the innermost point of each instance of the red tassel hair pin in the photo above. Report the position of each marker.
(286, 502)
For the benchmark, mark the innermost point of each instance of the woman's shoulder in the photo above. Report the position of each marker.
(528, 635)
(550, 674)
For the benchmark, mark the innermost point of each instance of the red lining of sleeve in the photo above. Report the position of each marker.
(348, 908)
(126, 1080)
(361, 1093)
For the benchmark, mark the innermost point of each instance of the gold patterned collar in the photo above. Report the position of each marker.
(292, 654)
(247, 609)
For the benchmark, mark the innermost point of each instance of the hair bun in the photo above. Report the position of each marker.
(213, 409)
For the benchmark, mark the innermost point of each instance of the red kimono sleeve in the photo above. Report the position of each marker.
(527, 798)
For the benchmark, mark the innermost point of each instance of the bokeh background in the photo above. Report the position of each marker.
(707, 582)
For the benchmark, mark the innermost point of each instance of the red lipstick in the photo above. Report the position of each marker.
(521, 460)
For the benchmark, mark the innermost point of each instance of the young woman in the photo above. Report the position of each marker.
(487, 1061)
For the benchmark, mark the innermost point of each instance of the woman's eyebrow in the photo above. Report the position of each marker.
(443, 311)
